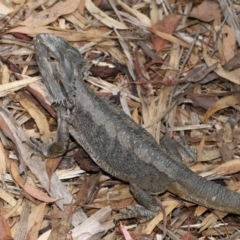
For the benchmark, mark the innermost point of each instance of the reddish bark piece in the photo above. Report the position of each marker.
(167, 25)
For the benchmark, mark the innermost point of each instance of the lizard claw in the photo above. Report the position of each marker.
(36, 145)
(44, 149)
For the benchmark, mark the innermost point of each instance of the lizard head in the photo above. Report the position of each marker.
(60, 66)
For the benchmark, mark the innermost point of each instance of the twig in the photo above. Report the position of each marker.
(13, 16)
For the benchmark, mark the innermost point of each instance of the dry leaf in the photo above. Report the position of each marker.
(37, 115)
(7, 197)
(142, 17)
(2, 162)
(92, 227)
(51, 166)
(45, 236)
(35, 221)
(221, 104)
(211, 219)
(207, 11)
(68, 35)
(228, 167)
(167, 25)
(60, 230)
(11, 87)
(49, 15)
(82, 194)
(225, 150)
(187, 236)
(81, 7)
(103, 17)
(228, 133)
(5, 232)
(199, 211)
(135, 116)
(125, 232)
(228, 42)
(193, 60)
(171, 204)
(202, 101)
(5, 9)
(5, 74)
(31, 190)
(232, 63)
(231, 76)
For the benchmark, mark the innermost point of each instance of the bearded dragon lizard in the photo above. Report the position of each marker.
(114, 141)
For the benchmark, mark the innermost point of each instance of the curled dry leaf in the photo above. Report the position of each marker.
(49, 15)
(38, 117)
(221, 104)
(31, 190)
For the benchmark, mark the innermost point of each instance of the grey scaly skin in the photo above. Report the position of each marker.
(114, 141)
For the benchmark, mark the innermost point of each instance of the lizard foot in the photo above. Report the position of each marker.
(137, 211)
(47, 150)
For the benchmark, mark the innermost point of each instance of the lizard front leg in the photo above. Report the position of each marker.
(59, 147)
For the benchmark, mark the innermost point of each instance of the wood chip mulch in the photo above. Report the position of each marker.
(172, 65)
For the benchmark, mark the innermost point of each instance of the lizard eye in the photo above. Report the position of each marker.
(51, 58)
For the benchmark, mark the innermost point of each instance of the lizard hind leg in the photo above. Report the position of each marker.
(148, 209)
(178, 150)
